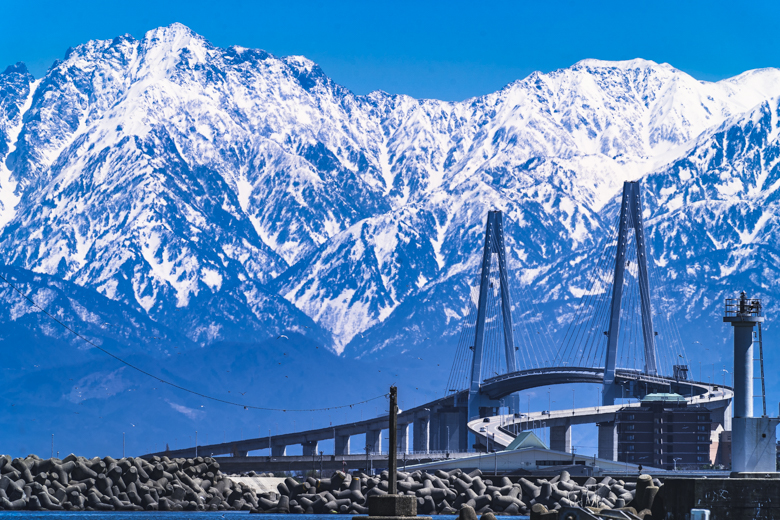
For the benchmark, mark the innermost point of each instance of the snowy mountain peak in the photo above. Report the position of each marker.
(257, 195)
(16, 68)
(636, 63)
(173, 36)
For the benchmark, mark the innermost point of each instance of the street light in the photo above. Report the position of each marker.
(428, 442)
(675, 463)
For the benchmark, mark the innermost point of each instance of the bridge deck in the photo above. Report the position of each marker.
(494, 388)
(588, 415)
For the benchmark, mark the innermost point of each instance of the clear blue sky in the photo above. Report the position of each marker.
(447, 50)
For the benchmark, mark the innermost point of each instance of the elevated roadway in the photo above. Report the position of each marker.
(329, 462)
(498, 428)
(442, 425)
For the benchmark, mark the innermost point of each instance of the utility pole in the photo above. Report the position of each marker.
(367, 458)
(495, 457)
(392, 456)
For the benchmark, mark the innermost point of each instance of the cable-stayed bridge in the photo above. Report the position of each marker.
(614, 339)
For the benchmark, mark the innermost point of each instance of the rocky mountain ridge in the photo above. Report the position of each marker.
(237, 193)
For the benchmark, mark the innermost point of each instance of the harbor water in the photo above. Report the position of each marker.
(183, 515)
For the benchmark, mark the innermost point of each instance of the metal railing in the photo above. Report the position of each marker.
(734, 307)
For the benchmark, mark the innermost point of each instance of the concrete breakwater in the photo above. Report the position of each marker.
(127, 484)
(443, 492)
(163, 484)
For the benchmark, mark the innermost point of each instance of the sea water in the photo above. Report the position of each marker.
(185, 515)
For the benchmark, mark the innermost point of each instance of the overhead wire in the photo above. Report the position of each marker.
(591, 300)
(628, 310)
(597, 304)
(174, 385)
(458, 379)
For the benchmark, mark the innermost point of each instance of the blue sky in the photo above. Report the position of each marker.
(447, 50)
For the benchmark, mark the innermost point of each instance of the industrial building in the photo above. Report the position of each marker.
(665, 432)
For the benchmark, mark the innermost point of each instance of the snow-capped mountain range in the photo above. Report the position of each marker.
(231, 195)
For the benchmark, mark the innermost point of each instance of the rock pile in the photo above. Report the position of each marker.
(443, 492)
(163, 484)
(128, 484)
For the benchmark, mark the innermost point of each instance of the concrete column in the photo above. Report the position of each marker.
(560, 437)
(342, 444)
(240, 453)
(743, 369)
(403, 438)
(278, 450)
(374, 440)
(448, 432)
(608, 441)
(310, 448)
(434, 432)
(722, 416)
(422, 434)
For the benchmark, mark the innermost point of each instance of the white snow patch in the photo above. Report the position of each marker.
(190, 413)
(211, 278)
(8, 197)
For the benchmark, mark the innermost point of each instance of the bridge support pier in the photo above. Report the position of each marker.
(722, 416)
(278, 450)
(608, 441)
(403, 438)
(310, 448)
(560, 438)
(341, 444)
(374, 440)
(422, 434)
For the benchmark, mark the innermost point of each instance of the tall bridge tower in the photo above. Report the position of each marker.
(494, 244)
(630, 221)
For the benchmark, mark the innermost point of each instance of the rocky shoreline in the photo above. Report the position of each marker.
(128, 484)
(451, 492)
(163, 484)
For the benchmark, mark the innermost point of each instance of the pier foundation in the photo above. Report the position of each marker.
(342, 444)
(310, 448)
(422, 435)
(560, 438)
(608, 441)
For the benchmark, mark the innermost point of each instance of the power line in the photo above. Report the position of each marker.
(174, 385)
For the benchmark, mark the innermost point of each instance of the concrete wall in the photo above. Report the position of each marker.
(727, 499)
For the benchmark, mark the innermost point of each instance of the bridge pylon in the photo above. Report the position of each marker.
(494, 244)
(630, 220)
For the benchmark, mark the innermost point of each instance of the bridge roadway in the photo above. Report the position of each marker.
(497, 430)
(328, 462)
(439, 425)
